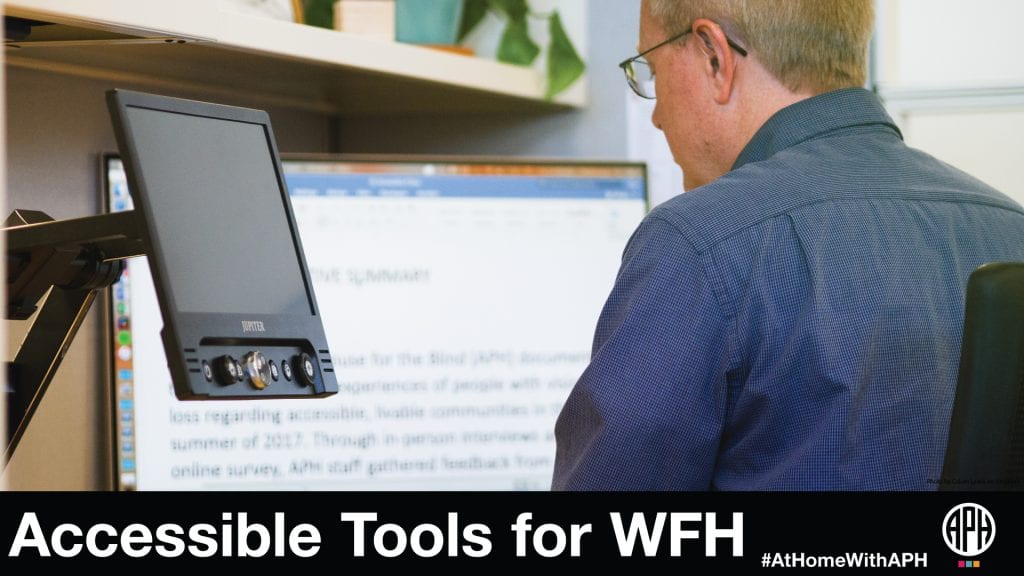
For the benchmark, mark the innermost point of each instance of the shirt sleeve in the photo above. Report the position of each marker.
(648, 412)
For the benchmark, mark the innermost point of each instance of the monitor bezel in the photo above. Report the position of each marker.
(186, 332)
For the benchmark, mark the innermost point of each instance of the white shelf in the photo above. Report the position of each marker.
(192, 45)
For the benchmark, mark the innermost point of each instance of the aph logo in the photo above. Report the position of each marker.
(969, 529)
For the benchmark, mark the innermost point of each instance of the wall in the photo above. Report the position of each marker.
(947, 43)
(953, 79)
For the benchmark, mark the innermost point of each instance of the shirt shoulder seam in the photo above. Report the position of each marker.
(709, 269)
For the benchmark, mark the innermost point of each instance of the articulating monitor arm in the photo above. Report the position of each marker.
(76, 258)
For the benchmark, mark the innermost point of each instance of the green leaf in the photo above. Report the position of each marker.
(564, 65)
(473, 11)
(516, 10)
(516, 46)
(318, 13)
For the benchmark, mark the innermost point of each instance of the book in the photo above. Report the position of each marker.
(370, 18)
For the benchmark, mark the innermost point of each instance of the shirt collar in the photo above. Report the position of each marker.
(817, 115)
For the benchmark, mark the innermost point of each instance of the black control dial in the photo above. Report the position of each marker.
(305, 369)
(225, 369)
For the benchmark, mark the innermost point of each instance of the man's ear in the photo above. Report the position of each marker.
(719, 58)
(709, 50)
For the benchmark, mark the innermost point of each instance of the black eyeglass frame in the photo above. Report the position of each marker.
(627, 64)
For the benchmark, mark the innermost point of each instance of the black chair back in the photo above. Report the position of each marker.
(986, 437)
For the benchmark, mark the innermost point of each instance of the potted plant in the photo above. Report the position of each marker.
(564, 65)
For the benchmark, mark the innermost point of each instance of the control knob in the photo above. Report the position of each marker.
(256, 369)
(225, 369)
(305, 369)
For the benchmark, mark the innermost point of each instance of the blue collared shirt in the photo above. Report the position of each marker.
(794, 325)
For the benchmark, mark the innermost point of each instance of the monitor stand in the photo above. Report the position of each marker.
(75, 258)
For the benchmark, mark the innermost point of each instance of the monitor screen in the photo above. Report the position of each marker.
(459, 297)
(214, 175)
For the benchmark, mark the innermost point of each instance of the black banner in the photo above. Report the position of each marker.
(770, 532)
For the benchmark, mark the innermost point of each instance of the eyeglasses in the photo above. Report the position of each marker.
(639, 75)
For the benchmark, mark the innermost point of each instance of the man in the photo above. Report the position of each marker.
(793, 321)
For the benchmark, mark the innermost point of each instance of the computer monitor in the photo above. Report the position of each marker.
(459, 297)
(240, 318)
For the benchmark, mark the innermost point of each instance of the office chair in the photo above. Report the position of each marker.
(986, 434)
